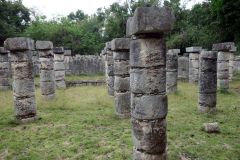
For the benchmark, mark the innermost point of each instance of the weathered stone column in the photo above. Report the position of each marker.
(207, 85)
(67, 57)
(110, 71)
(172, 70)
(59, 67)
(4, 70)
(223, 63)
(148, 80)
(193, 63)
(183, 67)
(23, 78)
(47, 82)
(236, 64)
(230, 67)
(121, 47)
(35, 63)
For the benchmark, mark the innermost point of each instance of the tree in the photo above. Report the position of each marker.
(14, 18)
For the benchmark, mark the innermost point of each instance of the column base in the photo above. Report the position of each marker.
(138, 155)
(48, 97)
(123, 116)
(27, 120)
(204, 109)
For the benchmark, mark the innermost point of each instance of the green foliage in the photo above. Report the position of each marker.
(14, 18)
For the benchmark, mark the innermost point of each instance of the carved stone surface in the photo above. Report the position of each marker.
(4, 70)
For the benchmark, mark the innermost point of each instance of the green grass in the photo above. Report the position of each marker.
(80, 124)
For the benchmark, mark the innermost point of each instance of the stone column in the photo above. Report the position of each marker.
(230, 67)
(120, 47)
(110, 71)
(183, 68)
(35, 63)
(172, 70)
(47, 82)
(4, 70)
(59, 67)
(23, 78)
(236, 64)
(193, 63)
(67, 57)
(223, 63)
(207, 85)
(148, 80)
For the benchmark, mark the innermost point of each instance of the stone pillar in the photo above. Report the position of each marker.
(193, 63)
(207, 85)
(172, 70)
(4, 70)
(67, 57)
(148, 80)
(120, 47)
(230, 67)
(47, 82)
(223, 63)
(59, 67)
(110, 71)
(23, 78)
(35, 63)
(236, 64)
(183, 67)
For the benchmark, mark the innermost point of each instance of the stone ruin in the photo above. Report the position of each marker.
(23, 78)
(121, 47)
(47, 81)
(67, 61)
(193, 63)
(183, 67)
(4, 70)
(224, 50)
(110, 70)
(148, 80)
(207, 85)
(172, 70)
(59, 67)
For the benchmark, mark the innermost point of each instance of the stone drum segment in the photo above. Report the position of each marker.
(59, 67)
(4, 70)
(172, 70)
(207, 85)
(110, 70)
(223, 63)
(148, 80)
(183, 67)
(47, 82)
(67, 61)
(193, 63)
(23, 78)
(120, 47)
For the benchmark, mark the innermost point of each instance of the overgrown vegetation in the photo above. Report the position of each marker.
(80, 124)
(209, 22)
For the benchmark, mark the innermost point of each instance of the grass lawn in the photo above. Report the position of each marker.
(80, 124)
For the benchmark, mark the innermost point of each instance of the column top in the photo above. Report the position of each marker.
(226, 46)
(194, 49)
(44, 45)
(58, 50)
(209, 54)
(67, 52)
(108, 45)
(19, 43)
(150, 20)
(120, 44)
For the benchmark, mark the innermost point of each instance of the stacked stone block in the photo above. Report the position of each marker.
(148, 80)
(231, 56)
(183, 68)
(35, 63)
(4, 70)
(110, 70)
(172, 70)
(121, 47)
(236, 64)
(47, 82)
(23, 78)
(193, 63)
(223, 63)
(67, 61)
(59, 67)
(207, 85)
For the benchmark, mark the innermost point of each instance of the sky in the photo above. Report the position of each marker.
(52, 8)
